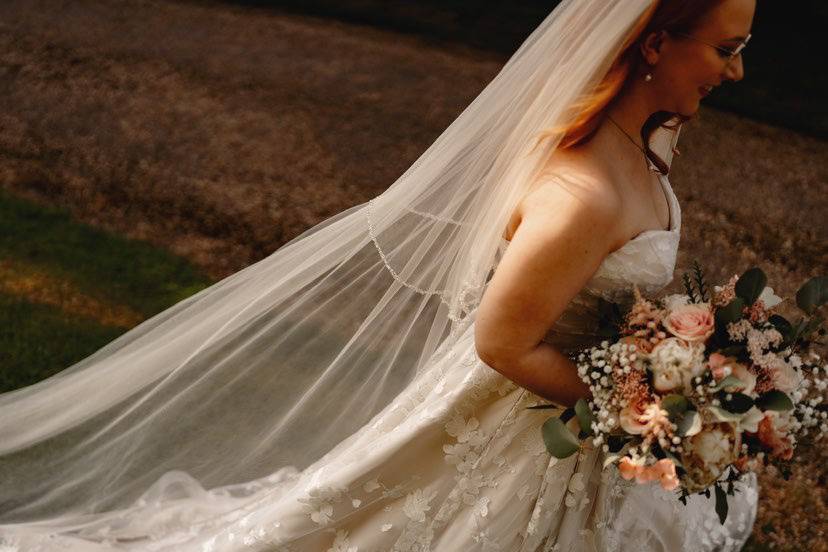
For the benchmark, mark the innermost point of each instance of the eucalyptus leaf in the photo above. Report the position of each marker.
(675, 405)
(729, 313)
(738, 403)
(723, 415)
(781, 324)
(584, 414)
(729, 381)
(559, 441)
(812, 294)
(749, 286)
(690, 424)
(774, 400)
(721, 504)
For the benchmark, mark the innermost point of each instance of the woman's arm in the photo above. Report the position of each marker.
(566, 230)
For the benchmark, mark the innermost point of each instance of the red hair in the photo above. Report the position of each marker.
(663, 15)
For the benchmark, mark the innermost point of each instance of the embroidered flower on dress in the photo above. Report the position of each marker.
(461, 429)
(341, 543)
(417, 504)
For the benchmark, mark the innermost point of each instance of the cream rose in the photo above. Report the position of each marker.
(692, 322)
(673, 302)
(707, 454)
(675, 364)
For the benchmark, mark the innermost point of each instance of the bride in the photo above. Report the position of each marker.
(366, 387)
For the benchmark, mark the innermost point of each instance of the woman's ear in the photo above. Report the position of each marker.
(651, 46)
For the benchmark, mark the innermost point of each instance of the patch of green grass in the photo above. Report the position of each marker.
(37, 341)
(102, 265)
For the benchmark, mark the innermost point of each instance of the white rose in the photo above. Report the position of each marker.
(712, 447)
(672, 302)
(785, 377)
(675, 363)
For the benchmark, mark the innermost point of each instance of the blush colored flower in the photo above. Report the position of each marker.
(717, 362)
(630, 419)
(642, 418)
(629, 469)
(772, 434)
(665, 472)
(693, 322)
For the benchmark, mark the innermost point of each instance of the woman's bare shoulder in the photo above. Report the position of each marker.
(571, 185)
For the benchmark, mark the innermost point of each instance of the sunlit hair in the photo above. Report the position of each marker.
(663, 15)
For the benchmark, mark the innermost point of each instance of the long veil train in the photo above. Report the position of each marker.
(276, 364)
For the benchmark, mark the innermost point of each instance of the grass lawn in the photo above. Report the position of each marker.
(67, 289)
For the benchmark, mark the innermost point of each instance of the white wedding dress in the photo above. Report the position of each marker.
(455, 463)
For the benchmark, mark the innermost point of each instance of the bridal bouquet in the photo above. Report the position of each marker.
(694, 390)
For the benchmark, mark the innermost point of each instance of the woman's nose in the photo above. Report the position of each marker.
(735, 70)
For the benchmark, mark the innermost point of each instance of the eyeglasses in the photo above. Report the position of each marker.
(725, 53)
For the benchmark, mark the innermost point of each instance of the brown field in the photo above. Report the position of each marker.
(220, 133)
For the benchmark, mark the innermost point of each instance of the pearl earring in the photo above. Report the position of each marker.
(648, 77)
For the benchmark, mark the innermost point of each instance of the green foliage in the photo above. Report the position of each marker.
(701, 285)
(585, 417)
(731, 312)
(37, 341)
(688, 288)
(738, 403)
(774, 400)
(559, 441)
(749, 286)
(729, 381)
(696, 287)
(100, 264)
(812, 294)
(675, 405)
(721, 503)
(690, 423)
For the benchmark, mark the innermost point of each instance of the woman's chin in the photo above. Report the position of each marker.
(689, 110)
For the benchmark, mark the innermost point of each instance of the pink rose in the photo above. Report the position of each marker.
(693, 322)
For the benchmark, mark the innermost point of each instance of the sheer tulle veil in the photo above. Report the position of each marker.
(269, 369)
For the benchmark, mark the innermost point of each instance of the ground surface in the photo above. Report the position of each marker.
(219, 133)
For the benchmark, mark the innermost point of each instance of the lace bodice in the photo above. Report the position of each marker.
(648, 261)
